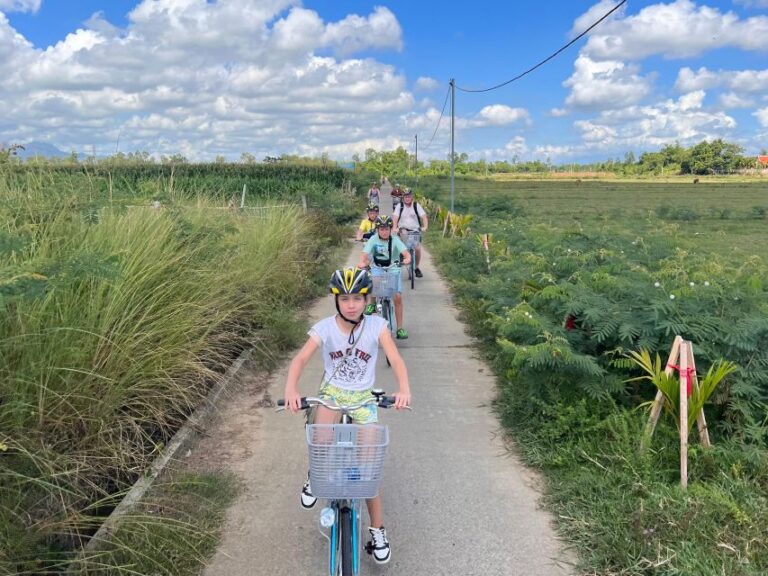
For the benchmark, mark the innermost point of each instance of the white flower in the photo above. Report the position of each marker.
(671, 296)
(691, 284)
(706, 282)
(656, 284)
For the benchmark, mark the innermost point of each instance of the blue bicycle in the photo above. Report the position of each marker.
(345, 466)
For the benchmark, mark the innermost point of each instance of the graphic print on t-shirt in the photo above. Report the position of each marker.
(350, 368)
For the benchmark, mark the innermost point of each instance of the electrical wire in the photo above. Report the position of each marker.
(448, 93)
(619, 5)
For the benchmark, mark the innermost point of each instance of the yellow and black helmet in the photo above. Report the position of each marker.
(350, 281)
(384, 222)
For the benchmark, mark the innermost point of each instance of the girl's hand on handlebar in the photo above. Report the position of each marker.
(292, 401)
(402, 400)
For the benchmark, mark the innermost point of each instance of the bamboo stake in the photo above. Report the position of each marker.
(684, 352)
(658, 402)
(701, 421)
(445, 225)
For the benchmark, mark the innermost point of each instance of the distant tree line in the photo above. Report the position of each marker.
(715, 157)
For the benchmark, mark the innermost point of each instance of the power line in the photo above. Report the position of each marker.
(549, 57)
(448, 93)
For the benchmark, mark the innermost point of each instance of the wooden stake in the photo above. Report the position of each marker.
(701, 421)
(658, 402)
(684, 353)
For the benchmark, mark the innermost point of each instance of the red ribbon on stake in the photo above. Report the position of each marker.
(689, 374)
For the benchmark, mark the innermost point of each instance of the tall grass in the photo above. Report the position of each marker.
(113, 325)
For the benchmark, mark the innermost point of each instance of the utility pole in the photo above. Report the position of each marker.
(416, 157)
(453, 119)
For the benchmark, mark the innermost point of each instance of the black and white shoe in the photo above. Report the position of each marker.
(308, 499)
(378, 547)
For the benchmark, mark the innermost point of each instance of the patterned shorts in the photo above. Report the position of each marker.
(365, 415)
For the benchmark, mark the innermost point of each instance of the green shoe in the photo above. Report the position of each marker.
(401, 334)
(370, 309)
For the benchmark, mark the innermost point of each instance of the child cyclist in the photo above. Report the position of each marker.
(349, 342)
(381, 250)
(367, 226)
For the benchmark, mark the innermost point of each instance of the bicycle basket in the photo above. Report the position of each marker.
(346, 460)
(385, 282)
(411, 238)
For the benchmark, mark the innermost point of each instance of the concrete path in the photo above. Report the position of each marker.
(456, 502)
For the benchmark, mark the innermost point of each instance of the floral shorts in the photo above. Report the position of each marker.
(365, 415)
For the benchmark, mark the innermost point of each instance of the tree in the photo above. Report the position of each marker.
(247, 158)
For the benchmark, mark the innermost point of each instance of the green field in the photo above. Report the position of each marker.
(580, 275)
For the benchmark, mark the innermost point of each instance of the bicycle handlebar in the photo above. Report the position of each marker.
(309, 401)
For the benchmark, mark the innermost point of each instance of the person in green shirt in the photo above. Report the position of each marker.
(382, 249)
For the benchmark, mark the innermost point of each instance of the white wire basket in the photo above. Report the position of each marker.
(385, 282)
(346, 460)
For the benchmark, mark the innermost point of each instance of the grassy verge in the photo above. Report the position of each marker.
(173, 531)
(114, 323)
(567, 295)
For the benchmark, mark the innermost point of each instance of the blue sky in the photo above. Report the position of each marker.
(208, 78)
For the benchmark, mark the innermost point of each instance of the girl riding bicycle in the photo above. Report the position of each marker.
(350, 341)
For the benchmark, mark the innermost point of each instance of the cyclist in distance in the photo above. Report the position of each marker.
(367, 226)
(349, 342)
(411, 216)
(381, 250)
(397, 195)
(373, 194)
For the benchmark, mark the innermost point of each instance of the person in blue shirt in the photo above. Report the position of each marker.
(382, 249)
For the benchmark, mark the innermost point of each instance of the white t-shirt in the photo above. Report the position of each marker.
(407, 218)
(356, 370)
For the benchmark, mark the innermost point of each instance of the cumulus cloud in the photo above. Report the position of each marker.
(599, 84)
(739, 81)
(675, 30)
(493, 115)
(733, 100)
(500, 115)
(426, 84)
(20, 5)
(208, 78)
(646, 127)
(762, 116)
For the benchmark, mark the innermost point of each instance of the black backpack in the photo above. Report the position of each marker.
(388, 261)
(415, 209)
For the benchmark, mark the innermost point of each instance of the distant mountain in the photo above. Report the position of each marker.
(32, 149)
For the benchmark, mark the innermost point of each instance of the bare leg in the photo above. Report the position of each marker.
(418, 255)
(399, 310)
(374, 512)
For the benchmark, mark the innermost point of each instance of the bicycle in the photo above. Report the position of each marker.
(345, 465)
(411, 239)
(385, 283)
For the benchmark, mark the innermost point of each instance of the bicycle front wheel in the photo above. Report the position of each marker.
(347, 550)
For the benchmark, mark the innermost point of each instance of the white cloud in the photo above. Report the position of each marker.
(426, 84)
(20, 5)
(208, 78)
(647, 127)
(740, 81)
(733, 100)
(605, 84)
(558, 112)
(516, 146)
(762, 116)
(501, 115)
(675, 30)
(555, 153)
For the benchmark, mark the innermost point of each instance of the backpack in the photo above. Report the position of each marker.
(415, 209)
(389, 250)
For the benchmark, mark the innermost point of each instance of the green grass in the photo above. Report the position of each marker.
(174, 530)
(114, 323)
(560, 252)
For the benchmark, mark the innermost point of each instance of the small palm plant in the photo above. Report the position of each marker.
(669, 385)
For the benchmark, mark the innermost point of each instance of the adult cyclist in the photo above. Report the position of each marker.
(397, 195)
(411, 216)
(380, 250)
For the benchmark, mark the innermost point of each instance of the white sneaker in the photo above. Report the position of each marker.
(307, 498)
(379, 545)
